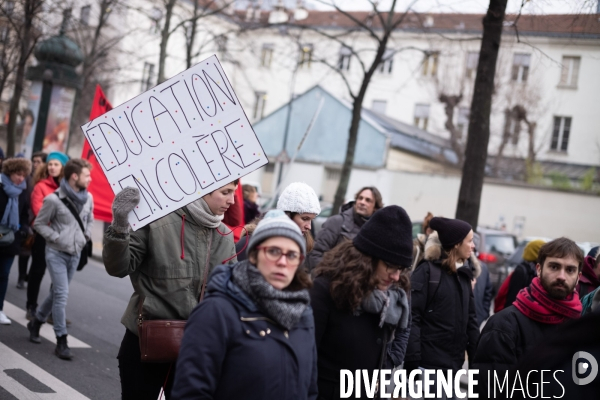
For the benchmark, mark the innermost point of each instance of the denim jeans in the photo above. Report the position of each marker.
(6, 263)
(61, 267)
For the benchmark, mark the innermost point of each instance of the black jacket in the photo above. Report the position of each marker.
(442, 330)
(506, 337)
(483, 294)
(348, 341)
(231, 350)
(14, 248)
(336, 229)
(519, 279)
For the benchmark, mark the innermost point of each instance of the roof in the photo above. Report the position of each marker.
(510, 168)
(560, 25)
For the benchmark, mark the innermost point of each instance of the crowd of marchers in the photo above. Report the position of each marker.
(279, 313)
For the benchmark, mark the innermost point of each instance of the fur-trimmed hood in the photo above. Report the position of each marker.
(434, 251)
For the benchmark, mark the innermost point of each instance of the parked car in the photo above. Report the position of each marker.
(321, 218)
(495, 248)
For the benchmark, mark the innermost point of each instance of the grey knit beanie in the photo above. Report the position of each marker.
(276, 223)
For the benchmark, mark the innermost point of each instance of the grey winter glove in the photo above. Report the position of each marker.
(124, 202)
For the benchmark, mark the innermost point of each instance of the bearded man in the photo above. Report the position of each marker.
(550, 300)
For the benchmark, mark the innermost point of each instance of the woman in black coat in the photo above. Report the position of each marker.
(253, 335)
(359, 298)
(444, 322)
(14, 216)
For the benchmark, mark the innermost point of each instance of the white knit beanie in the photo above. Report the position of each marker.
(300, 198)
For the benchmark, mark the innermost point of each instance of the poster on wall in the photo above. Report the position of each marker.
(177, 142)
(59, 119)
(30, 118)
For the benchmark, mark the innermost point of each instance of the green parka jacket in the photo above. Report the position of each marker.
(165, 261)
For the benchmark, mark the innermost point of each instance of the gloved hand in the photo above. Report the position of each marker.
(124, 202)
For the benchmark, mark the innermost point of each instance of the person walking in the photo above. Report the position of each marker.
(37, 159)
(65, 221)
(444, 323)
(14, 208)
(167, 261)
(346, 224)
(46, 180)
(550, 300)
(255, 324)
(360, 301)
(300, 203)
(251, 210)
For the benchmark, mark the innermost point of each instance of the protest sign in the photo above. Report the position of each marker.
(176, 142)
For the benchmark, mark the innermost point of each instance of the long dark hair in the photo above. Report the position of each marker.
(352, 275)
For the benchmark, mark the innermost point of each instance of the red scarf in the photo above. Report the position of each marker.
(535, 303)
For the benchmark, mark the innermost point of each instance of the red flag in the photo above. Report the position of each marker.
(234, 216)
(99, 188)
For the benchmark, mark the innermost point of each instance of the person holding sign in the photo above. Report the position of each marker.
(168, 262)
(255, 325)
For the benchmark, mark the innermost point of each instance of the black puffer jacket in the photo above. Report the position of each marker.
(506, 337)
(336, 229)
(348, 341)
(442, 330)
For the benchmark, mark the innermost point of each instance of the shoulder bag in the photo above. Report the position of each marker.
(160, 339)
(87, 248)
(7, 236)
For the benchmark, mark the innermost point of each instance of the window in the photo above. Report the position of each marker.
(84, 17)
(147, 76)
(266, 55)
(221, 42)
(570, 71)
(472, 61)
(156, 15)
(520, 67)
(560, 133)
(306, 52)
(421, 115)
(345, 57)
(260, 98)
(9, 7)
(430, 63)
(379, 106)
(462, 124)
(387, 62)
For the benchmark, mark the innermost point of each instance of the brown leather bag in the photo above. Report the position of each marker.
(160, 339)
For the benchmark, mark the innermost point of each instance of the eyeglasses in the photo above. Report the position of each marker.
(392, 269)
(273, 253)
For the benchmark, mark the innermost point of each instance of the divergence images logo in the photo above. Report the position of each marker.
(582, 363)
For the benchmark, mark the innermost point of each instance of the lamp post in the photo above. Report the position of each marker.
(54, 82)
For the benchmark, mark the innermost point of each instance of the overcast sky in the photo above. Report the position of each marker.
(471, 6)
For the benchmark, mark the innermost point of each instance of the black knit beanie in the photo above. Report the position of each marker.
(387, 235)
(450, 231)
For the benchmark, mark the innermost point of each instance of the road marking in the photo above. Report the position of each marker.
(11, 360)
(18, 315)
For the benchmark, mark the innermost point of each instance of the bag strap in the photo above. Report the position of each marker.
(435, 275)
(71, 208)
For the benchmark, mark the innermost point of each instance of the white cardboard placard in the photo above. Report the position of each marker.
(176, 142)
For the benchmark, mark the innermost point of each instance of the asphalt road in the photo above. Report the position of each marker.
(32, 371)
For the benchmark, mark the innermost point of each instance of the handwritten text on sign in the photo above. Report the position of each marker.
(176, 142)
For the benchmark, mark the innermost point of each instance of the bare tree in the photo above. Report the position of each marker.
(469, 198)
(379, 26)
(22, 20)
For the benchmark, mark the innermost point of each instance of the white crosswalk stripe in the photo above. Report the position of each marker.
(11, 360)
(18, 315)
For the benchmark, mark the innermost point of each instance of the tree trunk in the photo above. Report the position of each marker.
(342, 188)
(192, 37)
(164, 39)
(30, 9)
(450, 103)
(469, 198)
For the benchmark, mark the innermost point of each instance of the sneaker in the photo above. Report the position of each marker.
(21, 284)
(4, 319)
